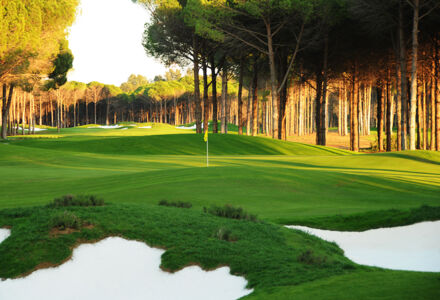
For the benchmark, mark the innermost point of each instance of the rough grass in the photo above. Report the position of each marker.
(277, 262)
(373, 219)
(187, 234)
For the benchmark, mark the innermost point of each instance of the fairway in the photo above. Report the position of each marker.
(280, 182)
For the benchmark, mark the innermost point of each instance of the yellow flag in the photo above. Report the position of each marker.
(206, 136)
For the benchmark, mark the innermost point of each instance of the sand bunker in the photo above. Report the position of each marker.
(35, 129)
(191, 127)
(4, 233)
(145, 127)
(414, 247)
(109, 126)
(115, 268)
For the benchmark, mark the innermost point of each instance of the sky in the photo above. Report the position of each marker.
(106, 41)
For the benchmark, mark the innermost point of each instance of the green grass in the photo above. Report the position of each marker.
(280, 182)
(268, 256)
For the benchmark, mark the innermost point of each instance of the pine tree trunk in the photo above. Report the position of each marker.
(419, 121)
(403, 83)
(354, 115)
(255, 100)
(388, 125)
(379, 118)
(240, 100)
(6, 105)
(413, 107)
(214, 96)
(205, 95)
(198, 108)
(318, 107)
(107, 112)
(273, 83)
(437, 97)
(224, 99)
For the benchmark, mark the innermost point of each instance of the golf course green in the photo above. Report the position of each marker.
(282, 183)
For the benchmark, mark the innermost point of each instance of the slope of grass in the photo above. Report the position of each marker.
(283, 189)
(176, 144)
(188, 234)
(273, 259)
(384, 285)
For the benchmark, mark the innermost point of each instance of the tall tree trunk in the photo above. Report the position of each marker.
(95, 120)
(318, 106)
(214, 95)
(436, 95)
(205, 94)
(248, 111)
(240, 100)
(273, 82)
(379, 96)
(419, 121)
(224, 124)
(403, 84)
(107, 112)
(323, 129)
(282, 69)
(389, 102)
(87, 112)
(40, 119)
(6, 105)
(198, 108)
(413, 107)
(255, 99)
(354, 115)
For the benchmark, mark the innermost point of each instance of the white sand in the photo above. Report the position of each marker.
(191, 127)
(36, 129)
(116, 268)
(4, 233)
(414, 247)
(109, 126)
(145, 127)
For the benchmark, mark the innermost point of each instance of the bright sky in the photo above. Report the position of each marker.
(106, 41)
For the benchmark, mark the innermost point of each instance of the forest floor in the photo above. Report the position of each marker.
(281, 182)
(335, 140)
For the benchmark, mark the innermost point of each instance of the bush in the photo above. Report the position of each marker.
(80, 200)
(179, 204)
(225, 234)
(66, 220)
(308, 258)
(230, 212)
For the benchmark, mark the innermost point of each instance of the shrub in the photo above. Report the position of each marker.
(307, 257)
(225, 234)
(230, 212)
(64, 220)
(179, 204)
(80, 200)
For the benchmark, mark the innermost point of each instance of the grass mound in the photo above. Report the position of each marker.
(177, 144)
(65, 220)
(179, 204)
(228, 211)
(80, 200)
(273, 259)
(374, 219)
